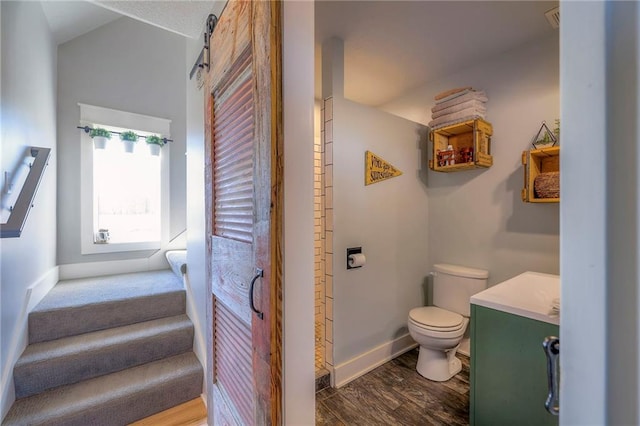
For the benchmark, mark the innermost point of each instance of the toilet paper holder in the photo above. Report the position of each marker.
(350, 251)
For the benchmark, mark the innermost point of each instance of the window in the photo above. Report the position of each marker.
(124, 194)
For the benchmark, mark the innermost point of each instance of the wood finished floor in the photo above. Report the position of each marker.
(392, 394)
(191, 413)
(395, 394)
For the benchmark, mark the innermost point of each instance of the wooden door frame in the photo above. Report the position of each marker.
(266, 36)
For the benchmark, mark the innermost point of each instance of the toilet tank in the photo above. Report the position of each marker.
(453, 285)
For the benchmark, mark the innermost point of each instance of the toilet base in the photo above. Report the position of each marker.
(438, 365)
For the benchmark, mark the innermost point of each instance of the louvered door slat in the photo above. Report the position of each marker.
(237, 149)
(236, 202)
(242, 63)
(233, 128)
(236, 107)
(238, 129)
(234, 189)
(235, 114)
(229, 176)
(233, 364)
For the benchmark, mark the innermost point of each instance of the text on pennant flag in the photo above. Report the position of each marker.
(376, 169)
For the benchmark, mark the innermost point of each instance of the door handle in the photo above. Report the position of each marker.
(259, 274)
(551, 347)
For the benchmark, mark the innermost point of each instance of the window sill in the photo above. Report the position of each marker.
(97, 248)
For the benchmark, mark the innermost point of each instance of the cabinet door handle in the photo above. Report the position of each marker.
(551, 347)
(259, 274)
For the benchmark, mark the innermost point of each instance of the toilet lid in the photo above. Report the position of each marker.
(436, 318)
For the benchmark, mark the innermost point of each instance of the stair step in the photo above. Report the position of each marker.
(47, 365)
(114, 399)
(81, 306)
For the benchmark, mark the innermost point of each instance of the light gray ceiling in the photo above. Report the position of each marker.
(392, 47)
(70, 19)
(184, 17)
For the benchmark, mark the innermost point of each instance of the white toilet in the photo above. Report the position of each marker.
(439, 329)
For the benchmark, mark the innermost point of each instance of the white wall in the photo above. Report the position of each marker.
(124, 65)
(388, 219)
(28, 119)
(584, 216)
(196, 244)
(477, 218)
(600, 238)
(298, 316)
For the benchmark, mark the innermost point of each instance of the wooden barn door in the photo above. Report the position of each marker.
(244, 219)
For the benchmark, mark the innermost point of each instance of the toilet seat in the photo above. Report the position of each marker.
(436, 319)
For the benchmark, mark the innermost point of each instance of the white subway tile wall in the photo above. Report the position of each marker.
(319, 251)
(327, 235)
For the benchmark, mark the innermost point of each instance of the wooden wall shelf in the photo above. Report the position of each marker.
(535, 162)
(471, 143)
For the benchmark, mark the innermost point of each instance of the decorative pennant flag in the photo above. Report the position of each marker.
(376, 169)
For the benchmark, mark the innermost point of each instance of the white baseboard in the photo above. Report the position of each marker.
(20, 336)
(362, 364)
(199, 341)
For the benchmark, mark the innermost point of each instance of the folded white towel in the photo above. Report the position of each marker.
(477, 105)
(454, 95)
(466, 96)
(450, 92)
(465, 114)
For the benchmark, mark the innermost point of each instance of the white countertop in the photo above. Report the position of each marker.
(529, 295)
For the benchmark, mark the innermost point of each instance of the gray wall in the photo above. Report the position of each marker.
(28, 119)
(388, 219)
(476, 218)
(129, 66)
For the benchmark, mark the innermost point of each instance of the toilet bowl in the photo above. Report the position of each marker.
(440, 328)
(439, 333)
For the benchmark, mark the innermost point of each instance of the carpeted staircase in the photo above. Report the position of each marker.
(106, 351)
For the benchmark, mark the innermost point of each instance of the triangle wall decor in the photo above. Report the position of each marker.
(377, 169)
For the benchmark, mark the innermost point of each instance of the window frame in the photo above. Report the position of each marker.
(91, 115)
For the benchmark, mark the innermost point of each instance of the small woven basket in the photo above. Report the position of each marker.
(547, 185)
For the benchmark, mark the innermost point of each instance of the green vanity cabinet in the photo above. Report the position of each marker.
(508, 369)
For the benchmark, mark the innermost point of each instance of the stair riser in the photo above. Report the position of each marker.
(117, 403)
(56, 324)
(33, 378)
(127, 410)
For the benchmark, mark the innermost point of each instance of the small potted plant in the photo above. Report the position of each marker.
(544, 141)
(100, 137)
(129, 138)
(545, 137)
(556, 130)
(155, 142)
